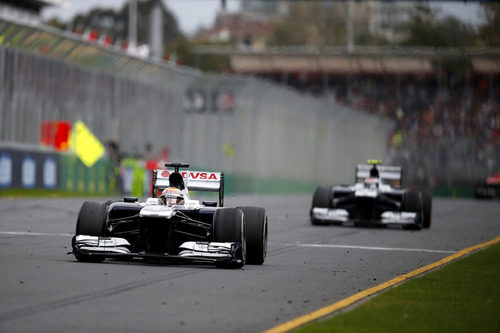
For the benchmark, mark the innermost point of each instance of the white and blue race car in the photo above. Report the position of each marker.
(180, 231)
(372, 200)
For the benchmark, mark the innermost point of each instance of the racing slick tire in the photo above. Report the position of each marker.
(229, 226)
(412, 202)
(427, 208)
(91, 221)
(322, 198)
(256, 234)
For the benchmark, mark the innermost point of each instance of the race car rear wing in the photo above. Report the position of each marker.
(192, 180)
(386, 172)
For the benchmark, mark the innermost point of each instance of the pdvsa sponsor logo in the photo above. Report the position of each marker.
(200, 175)
(193, 175)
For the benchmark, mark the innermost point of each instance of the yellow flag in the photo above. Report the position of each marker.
(86, 146)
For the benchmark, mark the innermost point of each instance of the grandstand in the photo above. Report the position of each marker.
(445, 101)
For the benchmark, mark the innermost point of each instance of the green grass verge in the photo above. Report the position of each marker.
(463, 296)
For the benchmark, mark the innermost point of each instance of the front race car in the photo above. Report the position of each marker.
(153, 232)
(183, 231)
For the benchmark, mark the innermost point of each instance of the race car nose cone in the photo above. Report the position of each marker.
(157, 211)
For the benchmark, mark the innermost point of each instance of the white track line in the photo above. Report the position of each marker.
(371, 248)
(24, 233)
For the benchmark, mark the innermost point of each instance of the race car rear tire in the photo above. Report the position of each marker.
(412, 202)
(322, 198)
(427, 208)
(256, 234)
(92, 222)
(229, 226)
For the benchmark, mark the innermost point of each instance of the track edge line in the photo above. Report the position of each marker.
(329, 309)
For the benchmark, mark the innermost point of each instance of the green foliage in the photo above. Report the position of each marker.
(424, 29)
(367, 39)
(182, 51)
(311, 23)
(56, 24)
(282, 35)
(489, 33)
(214, 63)
(116, 23)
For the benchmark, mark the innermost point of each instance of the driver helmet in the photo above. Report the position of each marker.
(374, 172)
(371, 182)
(172, 196)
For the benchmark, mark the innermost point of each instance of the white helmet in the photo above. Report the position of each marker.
(172, 196)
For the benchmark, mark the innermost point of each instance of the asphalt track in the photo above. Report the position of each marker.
(308, 267)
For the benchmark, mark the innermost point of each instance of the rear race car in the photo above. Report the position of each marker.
(372, 200)
(182, 231)
(489, 189)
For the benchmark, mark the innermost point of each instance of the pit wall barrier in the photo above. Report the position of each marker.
(27, 168)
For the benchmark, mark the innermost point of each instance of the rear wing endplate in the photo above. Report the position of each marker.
(193, 181)
(386, 172)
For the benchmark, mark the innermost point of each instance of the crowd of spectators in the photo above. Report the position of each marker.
(447, 131)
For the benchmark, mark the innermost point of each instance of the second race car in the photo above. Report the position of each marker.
(489, 189)
(373, 200)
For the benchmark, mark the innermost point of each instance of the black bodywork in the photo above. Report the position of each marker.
(188, 231)
(366, 209)
(159, 235)
(487, 191)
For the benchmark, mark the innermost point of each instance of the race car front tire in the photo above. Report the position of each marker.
(322, 198)
(229, 226)
(412, 202)
(256, 234)
(427, 208)
(92, 222)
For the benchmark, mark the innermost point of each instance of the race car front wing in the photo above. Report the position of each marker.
(342, 215)
(217, 253)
